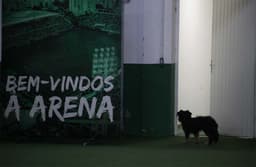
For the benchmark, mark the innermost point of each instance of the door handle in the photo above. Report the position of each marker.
(212, 65)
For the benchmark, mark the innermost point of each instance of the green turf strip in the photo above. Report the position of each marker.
(131, 152)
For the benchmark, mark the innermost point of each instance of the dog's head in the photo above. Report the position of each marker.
(184, 115)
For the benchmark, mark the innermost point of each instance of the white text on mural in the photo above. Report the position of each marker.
(61, 107)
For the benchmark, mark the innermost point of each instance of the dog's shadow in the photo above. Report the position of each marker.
(182, 144)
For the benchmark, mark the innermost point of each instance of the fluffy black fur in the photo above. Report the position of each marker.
(194, 125)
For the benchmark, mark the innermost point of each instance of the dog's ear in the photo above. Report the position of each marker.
(188, 113)
(179, 112)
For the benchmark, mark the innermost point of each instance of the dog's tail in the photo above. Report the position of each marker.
(213, 122)
(214, 129)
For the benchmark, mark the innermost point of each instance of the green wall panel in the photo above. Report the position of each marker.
(132, 99)
(149, 99)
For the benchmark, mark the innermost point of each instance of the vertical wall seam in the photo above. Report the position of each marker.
(162, 52)
(122, 70)
(254, 116)
(176, 52)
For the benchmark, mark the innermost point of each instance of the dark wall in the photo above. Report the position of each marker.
(149, 99)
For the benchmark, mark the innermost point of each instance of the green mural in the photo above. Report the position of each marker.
(61, 67)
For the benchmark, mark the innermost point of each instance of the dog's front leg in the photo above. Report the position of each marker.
(187, 136)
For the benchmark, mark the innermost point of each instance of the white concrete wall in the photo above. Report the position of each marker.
(133, 32)
(195, 38)
(234, 58)
(147, 34)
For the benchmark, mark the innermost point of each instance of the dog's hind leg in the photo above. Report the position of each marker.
(196, 138)
(216, 136)
(210, 140)
(187, 134)
(213, 136)
(210, 136)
